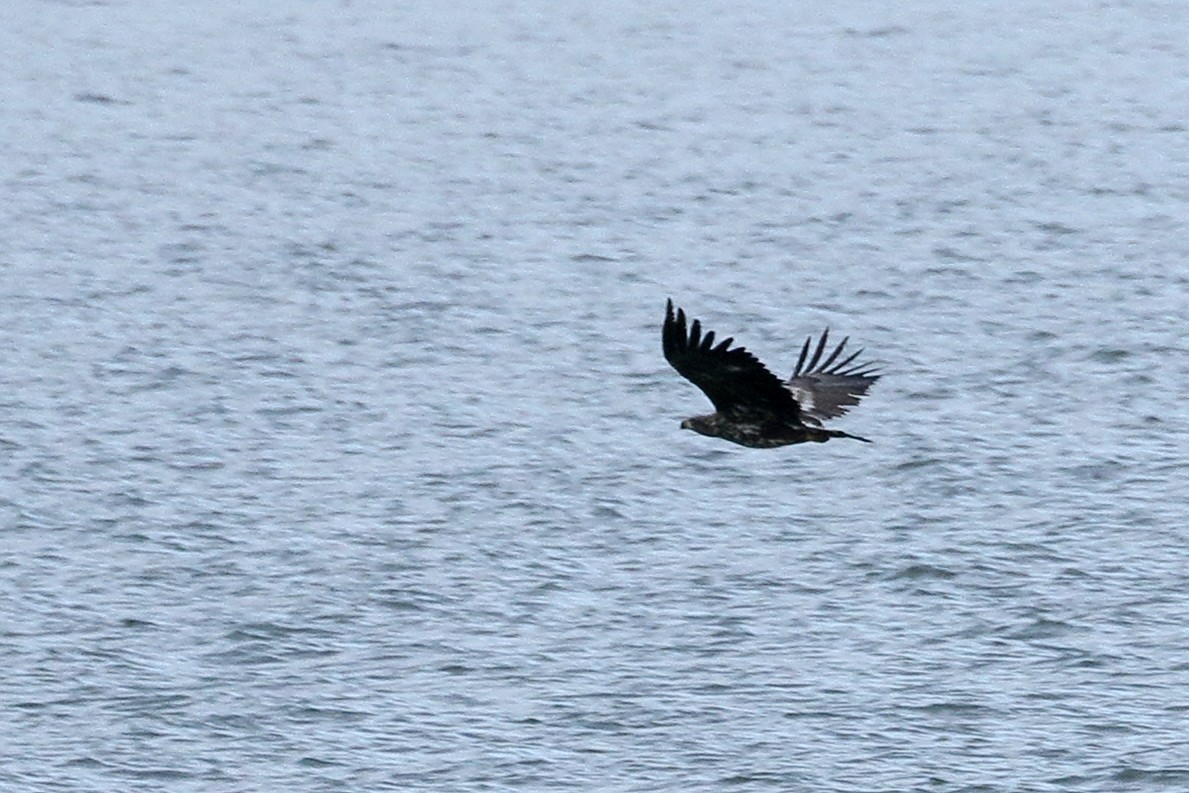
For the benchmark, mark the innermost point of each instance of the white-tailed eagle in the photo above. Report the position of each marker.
(752, 406)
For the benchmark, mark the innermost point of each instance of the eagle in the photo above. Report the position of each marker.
(752, 406)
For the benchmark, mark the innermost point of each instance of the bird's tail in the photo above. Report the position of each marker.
(841, 434)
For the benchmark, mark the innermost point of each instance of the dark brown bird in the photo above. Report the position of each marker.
(752, 406)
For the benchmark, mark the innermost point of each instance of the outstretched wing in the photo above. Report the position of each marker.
(736, 382)
(825, 389)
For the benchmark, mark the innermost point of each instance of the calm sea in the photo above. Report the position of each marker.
(339, 453)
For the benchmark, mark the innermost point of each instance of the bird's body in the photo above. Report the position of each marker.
(753, 407)
(761, 434)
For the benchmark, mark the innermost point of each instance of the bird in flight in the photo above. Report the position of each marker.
(752, 406)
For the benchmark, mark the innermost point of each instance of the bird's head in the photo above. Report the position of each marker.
(704, 425)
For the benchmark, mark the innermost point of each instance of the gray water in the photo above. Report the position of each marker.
(339, 452)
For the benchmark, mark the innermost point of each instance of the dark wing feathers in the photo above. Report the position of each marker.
(737, 383)
(828, 390)
(734, 380)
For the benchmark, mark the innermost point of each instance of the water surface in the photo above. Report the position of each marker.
(339, 452)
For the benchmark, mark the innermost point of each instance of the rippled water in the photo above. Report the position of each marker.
(339, 452)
